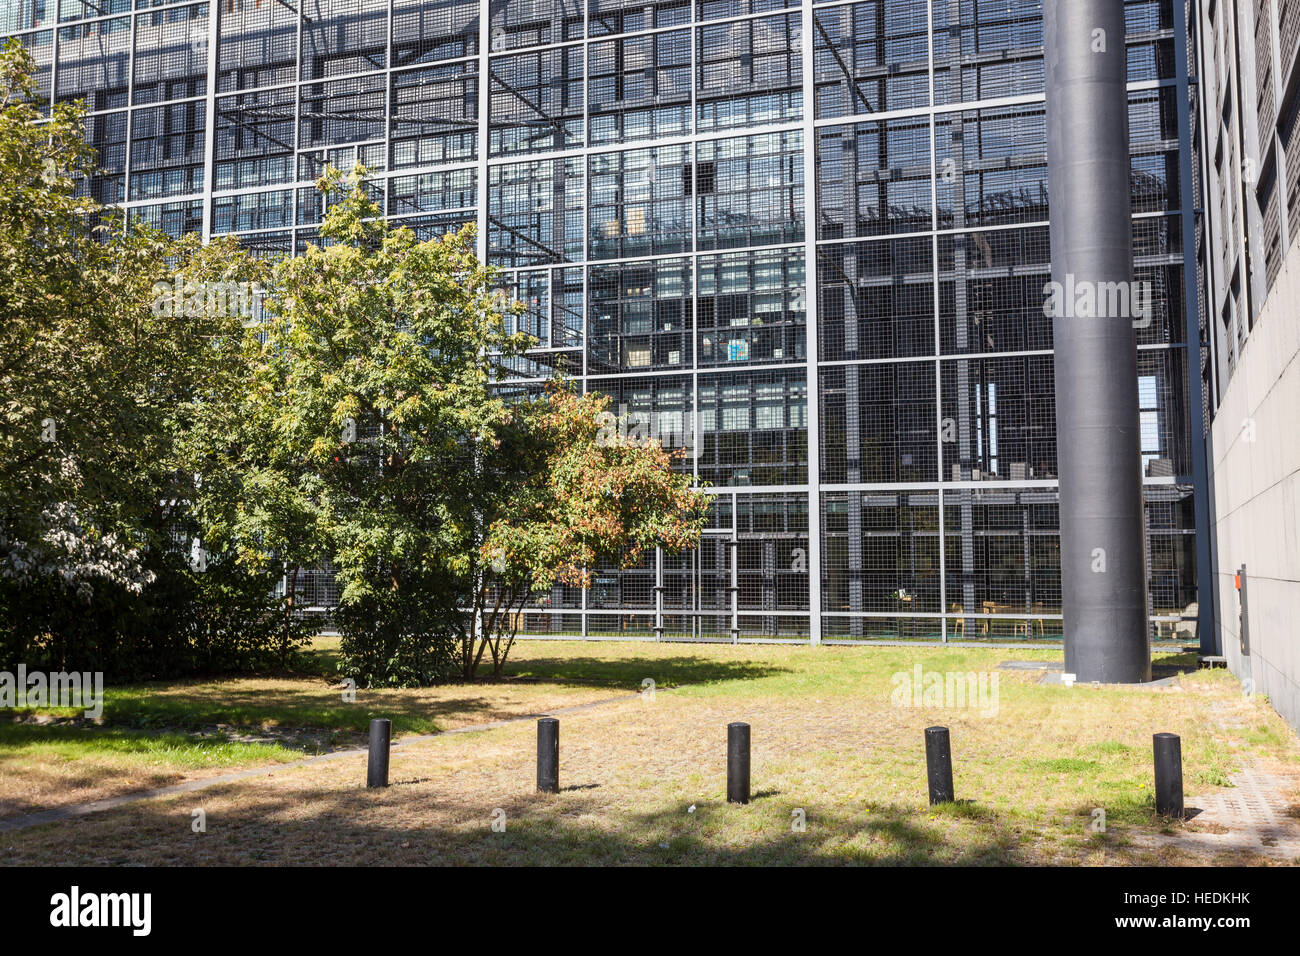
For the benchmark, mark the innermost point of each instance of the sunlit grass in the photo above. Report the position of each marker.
(828, 743)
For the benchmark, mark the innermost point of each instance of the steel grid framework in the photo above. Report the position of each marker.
(656, 179)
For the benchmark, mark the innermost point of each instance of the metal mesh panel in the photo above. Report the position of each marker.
(619, 16)
(639, 202)
(754, 428)
(879, 423)
(521, 23)
(639, 87)
(268, 210)
(752, 308)
(640, 316)
(992, 167)
(254, 139)
(536, 102)
(431, 192)
(986, 50)
(174, 218)
(874, 178)
(257, 44)
(748, 73)
(1002, 559)
(535, 212)
(343, 36)
(108, 132)
(749, 191)
(991, 291)
(999, 419)
(342, 111)
(881, 553)
(872, 57)
(94, 63)
(171, 54)
(659, 407)
(425, 32)
(876, 299)
(434, 114)
(167, 150)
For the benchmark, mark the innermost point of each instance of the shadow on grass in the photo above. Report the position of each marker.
(628, 673)
(58, 765)
(1172, 665)
(219, 703)
(80, 742)
(204, 704)
(540, 831)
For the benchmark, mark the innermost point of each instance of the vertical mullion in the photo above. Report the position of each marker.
(484, 91)
(210, 133)
(812, 337)
(938, 333)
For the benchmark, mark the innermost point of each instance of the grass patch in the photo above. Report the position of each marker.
(21, 743)
(644, 778)
(1063, 765)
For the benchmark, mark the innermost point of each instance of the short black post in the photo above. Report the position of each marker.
(548, 755)
(381, 733)
(938, 764)
(738, 763)
(1169, 774)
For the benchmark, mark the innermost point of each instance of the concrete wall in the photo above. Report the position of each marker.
(1255, 457)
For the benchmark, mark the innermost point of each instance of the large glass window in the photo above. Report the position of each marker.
(872, 57)
(749, 72)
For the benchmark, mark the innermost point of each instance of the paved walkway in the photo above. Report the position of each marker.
(189, 786)
(1255, 815)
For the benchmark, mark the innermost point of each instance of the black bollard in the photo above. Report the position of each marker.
(738, 763)
(1169, 774)
(938, 764)
(381, 732)
(548, 755)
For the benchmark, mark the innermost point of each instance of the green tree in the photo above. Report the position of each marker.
(372, 382)
(568, 491)
(101, 386)
(374, 419)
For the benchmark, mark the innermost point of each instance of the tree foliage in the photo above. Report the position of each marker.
(99, 393)
(165, 462)
(374, 415)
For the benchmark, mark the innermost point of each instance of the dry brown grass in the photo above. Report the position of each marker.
(235, 724)
(826, 740)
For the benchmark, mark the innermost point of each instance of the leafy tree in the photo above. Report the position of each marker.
(99, 390)
(371, 382)
(569, 493)
(374, 418)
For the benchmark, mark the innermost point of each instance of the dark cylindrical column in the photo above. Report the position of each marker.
(381, 733)
(938, 764)
(1169, 774)
(738, 763)
(1092, 302)
(548, 755)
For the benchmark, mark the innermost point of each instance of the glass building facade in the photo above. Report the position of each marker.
(806, 244)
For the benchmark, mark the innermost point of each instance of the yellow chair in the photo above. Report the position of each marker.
(988, 607)
(958, 624)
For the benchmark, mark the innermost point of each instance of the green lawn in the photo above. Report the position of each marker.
(644, 778)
